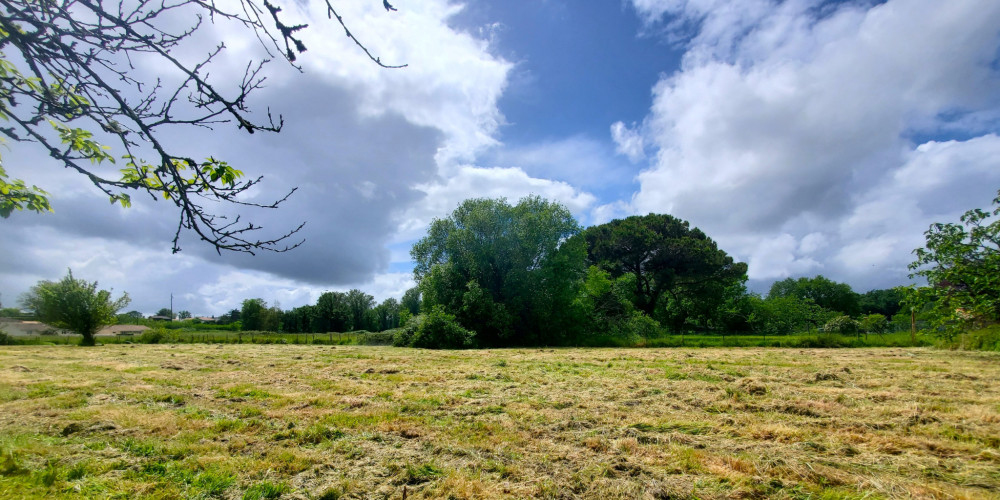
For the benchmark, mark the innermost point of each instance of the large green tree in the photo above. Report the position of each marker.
(68, 85)
(826, 293)
(332, 313)
(360, 304)
(74, 304)
(387, 314)
(676, 269)
(411, 300)
(298, 319)
(961, 263)
(882, 301)
(253, 314)
(506, 271)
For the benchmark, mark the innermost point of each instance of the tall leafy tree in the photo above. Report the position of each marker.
(961, 263)
(826, 293)
(270, 318)
(332, 314)
(503, 270)
(411, 300)
(676, 268)
(882, 301)
(74, 304)
(387, 314)
(252, 314)
(232, 316)
(359, 304)
(298, 320)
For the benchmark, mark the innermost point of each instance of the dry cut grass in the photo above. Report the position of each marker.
(252, 421)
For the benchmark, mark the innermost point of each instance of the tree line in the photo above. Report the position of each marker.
(493, 274)
(496, 274)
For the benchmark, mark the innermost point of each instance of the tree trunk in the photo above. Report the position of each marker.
(88, 339)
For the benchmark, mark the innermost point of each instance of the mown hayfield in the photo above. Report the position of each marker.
(263, 421)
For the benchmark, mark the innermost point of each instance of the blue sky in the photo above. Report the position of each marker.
(580, 65)
(806, 137)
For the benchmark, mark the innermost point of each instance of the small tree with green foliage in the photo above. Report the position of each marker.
(252, 314)
(961, 263)
(74, 305)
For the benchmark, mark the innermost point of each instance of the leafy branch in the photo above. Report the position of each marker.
(68, 82)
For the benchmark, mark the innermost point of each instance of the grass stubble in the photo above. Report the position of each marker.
(269, 421)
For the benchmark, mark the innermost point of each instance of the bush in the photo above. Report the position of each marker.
(439, 330)
(874, 323)
(403, 336)
(640, 325)
(6, 339)
(374, 338)
(150, 337)
(985, 339)
(821, 341)
(842, 324)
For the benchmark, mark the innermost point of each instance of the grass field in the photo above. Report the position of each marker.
(310, 421)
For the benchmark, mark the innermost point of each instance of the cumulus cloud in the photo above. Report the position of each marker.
(477, 182)
(790, 123)
(628, 141)
(452, 81)
(360, 143)
(578, 160)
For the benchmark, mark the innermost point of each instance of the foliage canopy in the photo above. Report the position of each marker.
(826, 293)
(669, 261)
(506, 271)
(961, 262)
(74, 304)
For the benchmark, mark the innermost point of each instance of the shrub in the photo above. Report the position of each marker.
(439, 330)
(985, 339)
(375, 338)
(6, 339)
(842, 324)
(150, 337)
(403, 336)
(640, 325)
(874, 323)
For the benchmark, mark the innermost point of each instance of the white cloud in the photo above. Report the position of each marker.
(229, 289)
(812, 242)
(777, 258)
(452, 81)
(610, 211)
(358, 141)
(937, 183)
(628, 141)
(787, 131)
(476, 182)
(581, 161)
